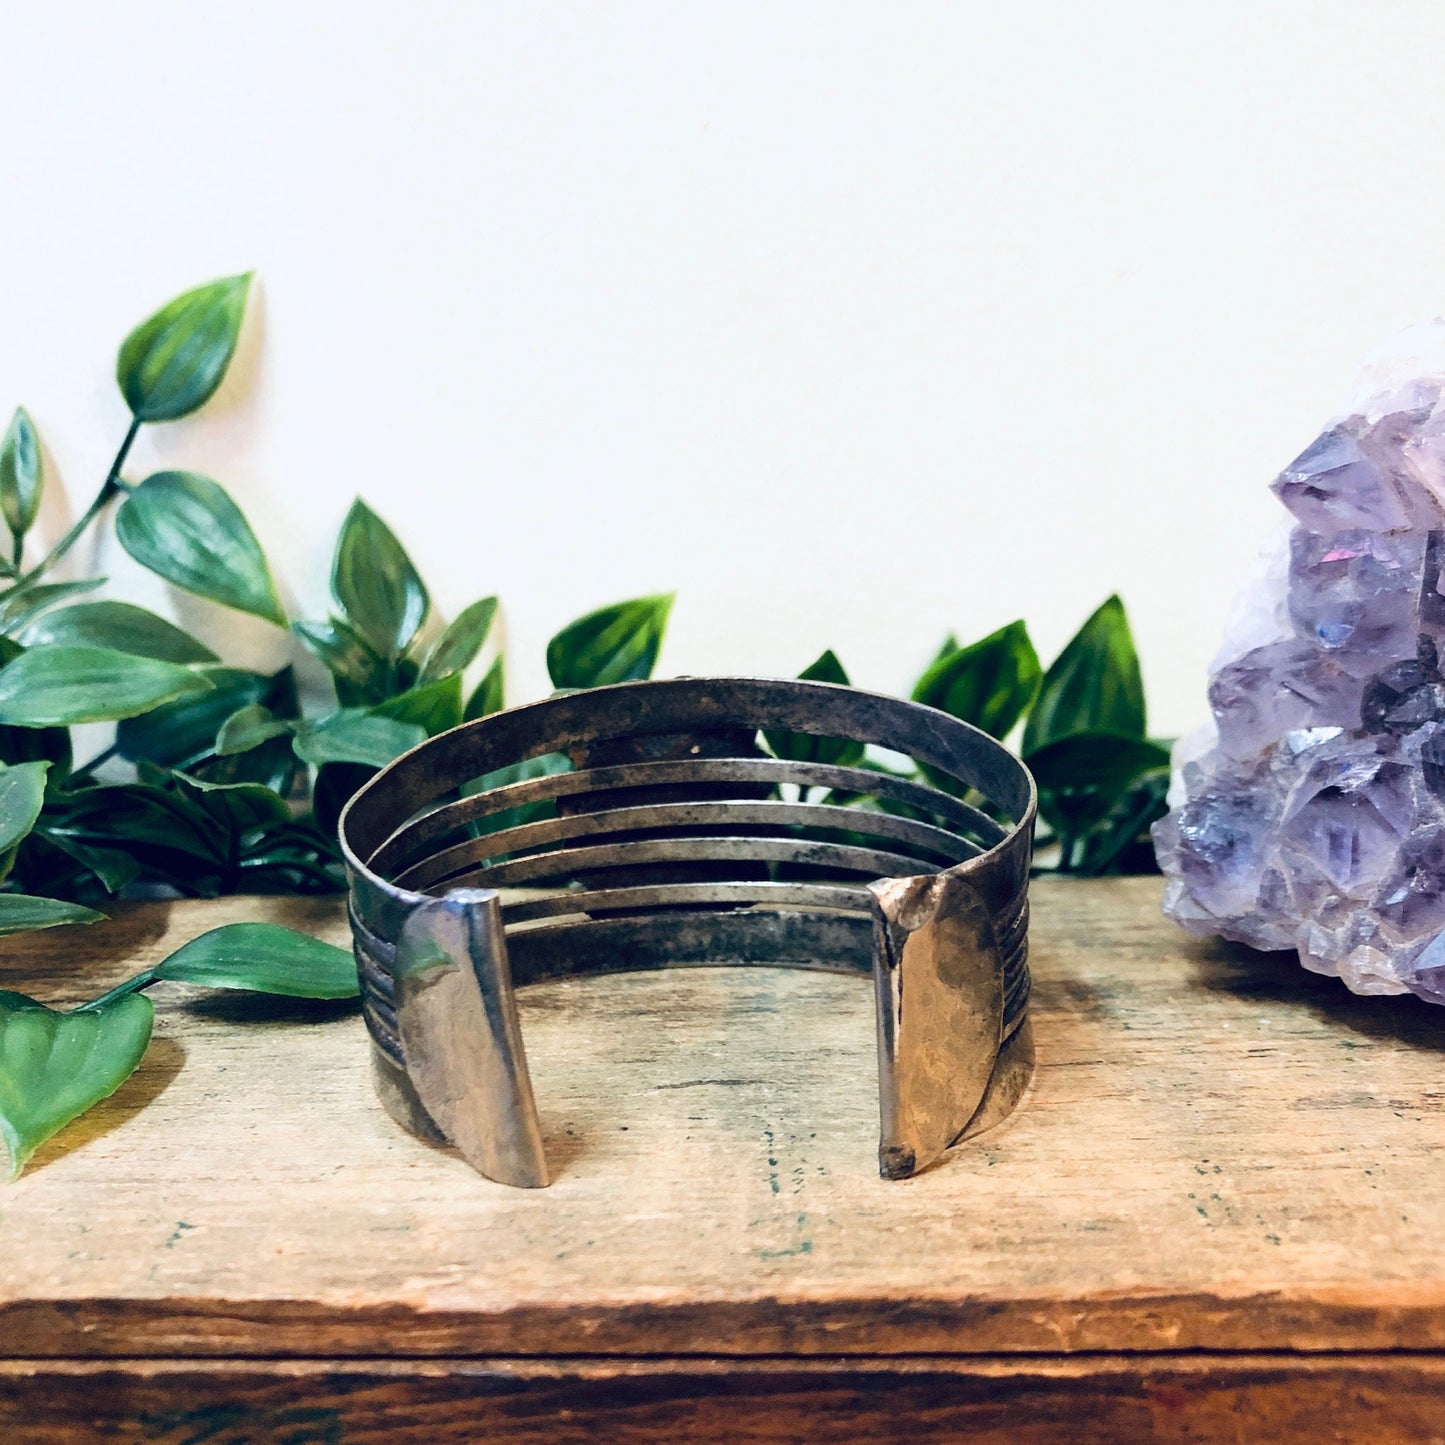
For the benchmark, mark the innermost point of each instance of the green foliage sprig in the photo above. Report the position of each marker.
(54, 1064)
(217, 782)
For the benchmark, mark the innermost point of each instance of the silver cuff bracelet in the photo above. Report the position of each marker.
(646, 825)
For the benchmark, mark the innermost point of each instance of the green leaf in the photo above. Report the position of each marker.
(1095, 759)
(185, 730)
(949, 645)
(20, 604)
(120, 626)
(1082, 776)
(454, 650)
(20, 474)
(22, 795)
(162, 828)
(22, 914)
(54, 1066)
(113, 867)
(990, 683)
(273, 764)
(173, 363)
(235, 808)
(804, 747)
(184, 527)
(1093, 685)
(358, 673)
(488, 698)
(356, 735)
(614, 644)
(1121, 842)
(61, 686)
(375, 583)
(434, 708)
(248, 728)
(264, 958)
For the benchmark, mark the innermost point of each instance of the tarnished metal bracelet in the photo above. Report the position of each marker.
(648, 827)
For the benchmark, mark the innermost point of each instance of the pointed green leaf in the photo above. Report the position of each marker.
(248, 728)
(54, 1066)
(61, 686)
(120, 626)
(182, 731)
(235, 808)
(1082, 776)
(264, 958)
(113, 867)
(168, 830)
(22, 795)
(1121, 842)
(434, 708)
(375, 584)
(489, 696)
(1093, 685)
(806, 748)
(20, 604)
(20, 913)
(172, 363)
(186, 529)
(271, 763)
(825, 668)
(614, 644)
(358, 673)
(949, 644)
(20, 474)
(454, 650)
(991, 683)
(355, 735)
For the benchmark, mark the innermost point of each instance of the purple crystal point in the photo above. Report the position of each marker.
(1333, 486)
(1311, 815)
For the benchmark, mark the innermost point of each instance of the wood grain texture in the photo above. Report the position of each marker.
(1086, 1400)
(1220, 1152)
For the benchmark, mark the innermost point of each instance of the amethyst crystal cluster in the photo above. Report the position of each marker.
(1311, 813)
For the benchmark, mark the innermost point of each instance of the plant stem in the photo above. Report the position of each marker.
(131, 985)
(108, 489)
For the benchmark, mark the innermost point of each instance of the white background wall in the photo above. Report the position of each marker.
(853, 323)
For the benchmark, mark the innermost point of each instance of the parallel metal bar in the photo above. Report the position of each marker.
(667, 816)
(448, 870)
(401, 847)
(738, 895)
(678, 706)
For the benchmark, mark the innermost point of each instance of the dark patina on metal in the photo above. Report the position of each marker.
(656, 830)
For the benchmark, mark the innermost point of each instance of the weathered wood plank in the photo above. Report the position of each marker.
(1089, 1400)
(1220, 1152)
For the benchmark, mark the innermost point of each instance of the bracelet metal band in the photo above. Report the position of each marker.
(647, 825)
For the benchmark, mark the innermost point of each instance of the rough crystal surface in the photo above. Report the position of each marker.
(1310, 813)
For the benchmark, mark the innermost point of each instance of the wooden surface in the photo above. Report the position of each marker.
(1221, 1153)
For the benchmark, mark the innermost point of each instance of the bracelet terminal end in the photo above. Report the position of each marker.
(457, 1017)
(938, 973)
